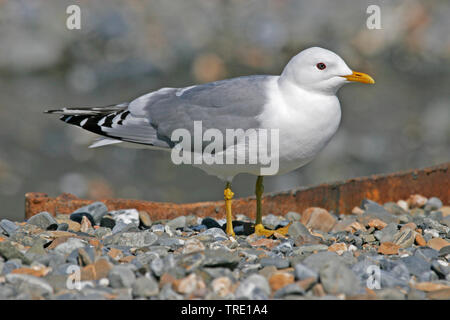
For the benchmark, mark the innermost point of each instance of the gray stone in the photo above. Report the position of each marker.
(277, 262)
(127, 216)
(387, 233)
(446, 221)
(97, 210)
(436, 215)
(71, 244)
(145, 287)
(131, 239)
(395, 209)
(317, 260)
(444, 251)
(284, 248)
(298, 229)
(125, 227)
(121, 277)
(63, 227)
(416, 265)
(310, 248)
(271, 221)
(6, 291)
(8, 227)
(428, 254)
(42, 220)
(31, 284)
(37, 249)
(432, 204)
(390, 294)
(302, 272)
(441, 267)
(179, 222)
(11, 265)
(430, 223)
(102, 232)
(8, 251)
(290, 289)
(174, 243)
(293, 216)
(167, 293)
(253, 287)
(417, 213)
(373, 210)
(157, 266)
(395, 276)
(157, 229)
(428, 276)
(217, 234)
(221, 258)
(416, 295)
(337, 278)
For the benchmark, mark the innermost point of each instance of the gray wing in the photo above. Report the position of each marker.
(151, 119)
(228, 104)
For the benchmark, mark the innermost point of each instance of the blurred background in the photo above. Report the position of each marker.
(128, 48)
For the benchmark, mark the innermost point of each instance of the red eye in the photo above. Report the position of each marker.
(321, 66)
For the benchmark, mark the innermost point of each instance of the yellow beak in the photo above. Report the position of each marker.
(359, 77)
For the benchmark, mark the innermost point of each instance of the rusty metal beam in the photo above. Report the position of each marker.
(340, 197)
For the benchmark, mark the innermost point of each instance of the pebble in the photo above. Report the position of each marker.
(192, 284)
(318, 219)
(302, 272)
(78, 217)
(293, 216)
(396, 208)
(96, 210)
(222, 286)
(9, 251)
(179, 222)
(33, 285)
(145, 219)
(317, 260)
(193, 258)
(433, 204)
(254, 287)
(43, 220)
(121, 277)
(8, 227)
(416, 201)
(374, 210)
(416, 265)
(387, 234)
(145, 287)
(437, 243)
(280, 279)
(403, 204)
(276, 262)
(337, 278)
(107, 222)
(127, 216)
(132, 239)
(404, 238)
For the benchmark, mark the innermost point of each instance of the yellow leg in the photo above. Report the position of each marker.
(228, 195)
(259, 228)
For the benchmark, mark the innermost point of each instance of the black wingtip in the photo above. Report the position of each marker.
(52, 111)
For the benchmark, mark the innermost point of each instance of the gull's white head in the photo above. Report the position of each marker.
(321, 70)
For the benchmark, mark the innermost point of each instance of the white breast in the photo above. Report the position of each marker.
(306, 122)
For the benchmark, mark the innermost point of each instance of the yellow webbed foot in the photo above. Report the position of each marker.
(261, 231)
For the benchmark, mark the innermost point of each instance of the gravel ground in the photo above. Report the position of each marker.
(391, 251)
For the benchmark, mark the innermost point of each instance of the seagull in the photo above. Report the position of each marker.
(300, 106)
